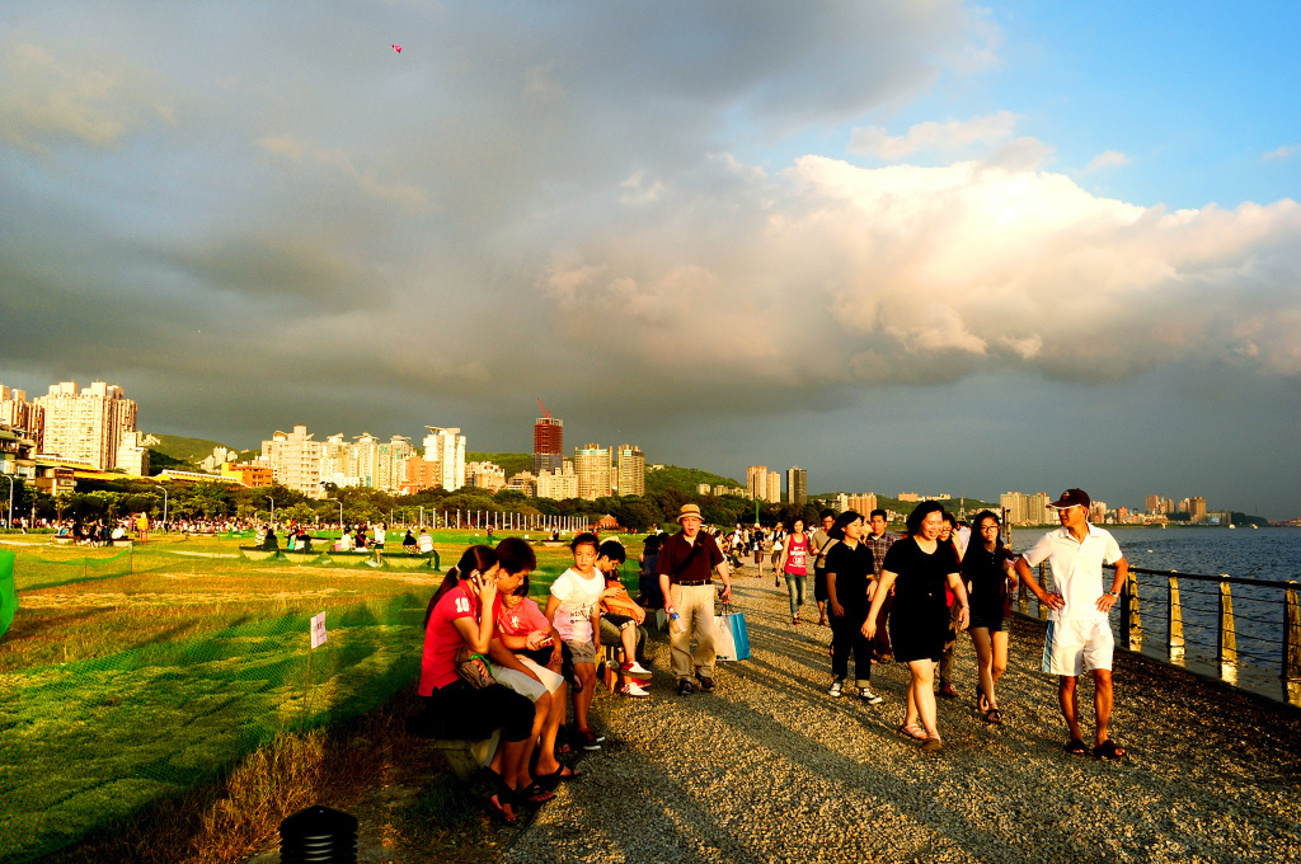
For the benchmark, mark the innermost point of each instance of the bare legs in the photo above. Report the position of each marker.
(991, 660)
(547, 763)
(586, 673)
(921, 698)
(1102, 701)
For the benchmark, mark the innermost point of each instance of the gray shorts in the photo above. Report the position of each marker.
(582, 652)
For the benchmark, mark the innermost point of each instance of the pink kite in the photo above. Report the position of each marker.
(397, 48)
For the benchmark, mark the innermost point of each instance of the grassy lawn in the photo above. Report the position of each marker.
(134, 675)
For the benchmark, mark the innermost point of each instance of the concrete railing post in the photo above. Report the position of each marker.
(1228, 642)
(1175, 625)
(1292, 634)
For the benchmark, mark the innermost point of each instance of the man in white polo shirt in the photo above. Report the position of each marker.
(1078, 638)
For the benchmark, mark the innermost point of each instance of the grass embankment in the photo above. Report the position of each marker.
(177, 674)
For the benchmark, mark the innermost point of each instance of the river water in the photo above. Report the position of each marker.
(1272, 554)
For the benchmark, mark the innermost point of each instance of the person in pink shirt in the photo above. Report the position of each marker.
(456, 618)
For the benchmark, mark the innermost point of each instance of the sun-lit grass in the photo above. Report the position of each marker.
(132, 676)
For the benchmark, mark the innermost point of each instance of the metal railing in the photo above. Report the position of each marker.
(1257, 648)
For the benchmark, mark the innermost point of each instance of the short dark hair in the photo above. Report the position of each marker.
(613, 550)
(919, 515)
(825, 513)
(516, 555)
(587, 538)
(878, 512)
(838, 530)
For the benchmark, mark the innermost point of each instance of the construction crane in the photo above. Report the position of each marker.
(545, 413)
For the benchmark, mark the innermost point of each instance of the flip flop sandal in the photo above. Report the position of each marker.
(535, 794)
(499, 810)
(932, 744)
(993, 716)
(1109, 751)
(1075, 747)
(912, 730)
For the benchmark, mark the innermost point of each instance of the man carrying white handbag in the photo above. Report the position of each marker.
(686, 568)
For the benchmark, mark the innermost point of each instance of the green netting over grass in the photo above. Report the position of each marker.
(87, 742)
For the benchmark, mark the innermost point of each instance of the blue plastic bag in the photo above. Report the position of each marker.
(731, 639)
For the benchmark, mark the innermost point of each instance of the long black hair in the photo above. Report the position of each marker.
(476, 559)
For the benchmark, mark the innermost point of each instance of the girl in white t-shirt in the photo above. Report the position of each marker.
(574, 610)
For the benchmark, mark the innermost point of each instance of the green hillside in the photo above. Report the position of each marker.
(183, 454)
(511, 463)
(684, 480)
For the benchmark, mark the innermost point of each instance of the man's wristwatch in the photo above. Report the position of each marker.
(1115, 594)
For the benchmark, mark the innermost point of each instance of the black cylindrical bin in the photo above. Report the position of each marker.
(318, 835)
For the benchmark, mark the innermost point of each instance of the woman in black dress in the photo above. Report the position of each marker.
(919, 567)
(988, 573)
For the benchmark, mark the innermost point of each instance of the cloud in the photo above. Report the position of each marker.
(949, 137)
(1107, 159)
(1285, 152)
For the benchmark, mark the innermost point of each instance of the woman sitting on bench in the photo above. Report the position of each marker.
(460, 614)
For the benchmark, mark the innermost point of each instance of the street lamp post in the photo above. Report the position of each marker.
(422, 515)
(340, 503)
(10, 523)
(273, 508)
(164, 488)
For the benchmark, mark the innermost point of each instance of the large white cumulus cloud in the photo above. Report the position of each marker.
(831, 273)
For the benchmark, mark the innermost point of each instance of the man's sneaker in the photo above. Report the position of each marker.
(685, 687)
(636, 670)
(632, 688)
(706, 683)
(865, 693)
(835, 687)
(587, 739)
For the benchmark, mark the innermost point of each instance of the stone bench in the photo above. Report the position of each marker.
(465, 756)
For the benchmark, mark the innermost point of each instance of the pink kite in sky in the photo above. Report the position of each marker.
(397, 48)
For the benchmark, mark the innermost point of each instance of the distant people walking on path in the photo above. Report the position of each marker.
(378, 543)
(756, 546)
(686, 566)
(987, 568)
(793, 565)
(1078, 638)
(776, 547)
(948, 534)
(881, 540)
(850, 570)
(820, 542)
(919, 567)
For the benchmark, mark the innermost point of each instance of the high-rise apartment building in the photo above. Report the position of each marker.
(797, 485)
(86, 426)
(23, 416)
(1152, 504)
(548, 444)
(447, 448)
(390, 457)
(295, 461)
(592, 465)
(862, 504)
(756, 481)
(558, 485)
(632, 470)
(1197, 510)
(774, 487)
(132, 455)
(1013, 505)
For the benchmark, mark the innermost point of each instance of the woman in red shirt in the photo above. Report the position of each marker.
(456, 617)
(794, 566)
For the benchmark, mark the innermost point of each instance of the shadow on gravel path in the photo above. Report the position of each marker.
(770, 768)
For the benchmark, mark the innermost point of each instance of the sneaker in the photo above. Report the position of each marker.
(866, 694)
(835, 687)
(636, 670)
(587, 739)
(706, 683)
(685, 687)
(632, 688)
(948, 692)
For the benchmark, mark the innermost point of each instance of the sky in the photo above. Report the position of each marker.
(915, 246)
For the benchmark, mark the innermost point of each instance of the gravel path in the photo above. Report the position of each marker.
(770, 768)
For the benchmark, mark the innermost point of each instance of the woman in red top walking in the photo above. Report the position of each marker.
(794, 565)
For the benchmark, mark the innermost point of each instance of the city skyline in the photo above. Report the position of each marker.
(993, 246)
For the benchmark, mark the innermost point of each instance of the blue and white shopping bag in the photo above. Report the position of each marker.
(731, 639)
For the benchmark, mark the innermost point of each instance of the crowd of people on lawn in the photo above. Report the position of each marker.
(494, 659)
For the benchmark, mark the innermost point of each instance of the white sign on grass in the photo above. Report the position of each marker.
(318, 630)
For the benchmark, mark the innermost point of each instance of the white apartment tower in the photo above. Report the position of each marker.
(447, 448)
(632, 470)
(592, 465)
(295, 461)
(86, 426)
